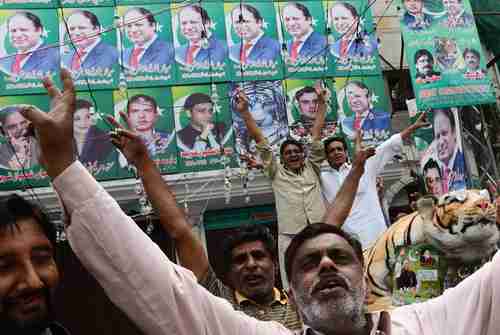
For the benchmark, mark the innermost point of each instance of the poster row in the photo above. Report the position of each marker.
(193, 128)
(161, 44)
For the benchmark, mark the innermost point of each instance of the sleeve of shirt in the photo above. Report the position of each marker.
(317, 155)
(384, 153)
(472, 307)
(214, 285)
(158, 295)
(268, 158)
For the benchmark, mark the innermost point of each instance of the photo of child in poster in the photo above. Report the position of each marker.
(252, 38)
(362, 105)
(89, 51)
(302, 106)
(200, 43)
(268, 108)
(203, 126)
(443, 161)
(149, 113)
(146, 50)
(303, 33)
(29, 50)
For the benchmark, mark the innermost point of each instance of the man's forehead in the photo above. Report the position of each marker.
(325, 241)
(26, 233)
(248, 247)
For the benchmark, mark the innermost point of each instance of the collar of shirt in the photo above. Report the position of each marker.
(451, 162)
(253, 42)
(89, 49)
(146, 45)
(304, 38)
(279, 297)
(344, 167)
(375, 319)
(30, 52)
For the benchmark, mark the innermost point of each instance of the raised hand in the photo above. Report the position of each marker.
(129, 143)
(55, 128)
(421, 121)
(361, 153)
(242, 102)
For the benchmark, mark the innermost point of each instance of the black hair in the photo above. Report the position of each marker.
(195, 99)
(14, 208)
(254, 11)
(89, 15)
(349, 7)
(310, 232)
(83, 104)
(305, 11)
(471, 51)
(144, 97)
(245, 234)
(304, 90)
(446, 112)
(205, 19)
(290, 141)
(37, 23)
(5, 112)
(431, 164)
(335, 139)
(360, 85)
(423, 52)
(146, 14)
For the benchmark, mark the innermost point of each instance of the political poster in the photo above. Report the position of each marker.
(444, 54)
(146, 52)
(303, 36)
(149, 112)
(28, 4)
(253, 41)
(205, 138)
(89, 50)
(201, 52)
(353, 44)
(302, 108)
(19, 149)
(363, 105)
(85, 3)
(29, 50)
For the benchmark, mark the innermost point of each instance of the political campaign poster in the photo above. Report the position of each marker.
(92, 144)
(363, 105)
(444, 54)
(29, 50)
(146, 52)
(205, 138)
(89, 50)
(268, 108)
(19, 149)
(352, 42)
(85, 3)
(253, 41)
(149, 113)
(147, 2)
(201, 51)
(302, 108)
(28, 4)
(303, 36)
(442, 160)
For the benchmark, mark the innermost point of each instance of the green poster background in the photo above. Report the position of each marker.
(142, 2)
(152, 75)
(166, 159)
(315, 64)
(362, 59)
(25, 82)
(84, 3)
(272, 70)
(376, 126)
(204, 72)
(11, 179)
(96, 78)
(450, 83)
(298, 129)
(97, 139)
(28, 4)
(210, 159)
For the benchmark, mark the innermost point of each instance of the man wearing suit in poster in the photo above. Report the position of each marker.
(424, 65)
(449, 155)
(202, 49)
(25, 31)
(148, 49)
(414, 17)
(255, 48)
(91, 52)
(201, 133)
(456, 15)
(306, 43)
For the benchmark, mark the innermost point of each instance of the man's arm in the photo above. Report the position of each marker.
(242, 108)
(338, 211)
(420, 123)
(319, 122)
(189, 248)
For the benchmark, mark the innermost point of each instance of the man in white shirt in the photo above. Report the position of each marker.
(366, 219)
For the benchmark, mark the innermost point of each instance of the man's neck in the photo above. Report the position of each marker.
(303, 36)
(147, 134)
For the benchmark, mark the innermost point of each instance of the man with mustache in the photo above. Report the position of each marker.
(28, 271)
(324, 264)
(424, 64)
(472, 59)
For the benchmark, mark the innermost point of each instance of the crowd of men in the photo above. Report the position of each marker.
(323, 262)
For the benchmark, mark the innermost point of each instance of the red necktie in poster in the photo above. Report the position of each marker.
(76, 62)
(134, 57)
(244, 51)
(16, 66)
(344, 45)
(190, 54)
(295, 50)
(357, 123)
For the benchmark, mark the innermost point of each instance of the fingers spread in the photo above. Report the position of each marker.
(33, 114)
(113, 121)
(124, 116)
(52, 90)
(68, 85)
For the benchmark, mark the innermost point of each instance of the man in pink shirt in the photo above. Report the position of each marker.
(324, 264)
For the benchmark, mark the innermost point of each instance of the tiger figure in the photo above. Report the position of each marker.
(462, 225)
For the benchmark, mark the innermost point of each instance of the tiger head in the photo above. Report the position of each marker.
(461, 224)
